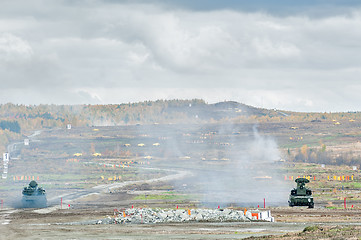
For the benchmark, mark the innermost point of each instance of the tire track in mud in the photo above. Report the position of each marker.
(4, 215)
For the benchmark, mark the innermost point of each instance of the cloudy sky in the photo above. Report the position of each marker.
(292, 55)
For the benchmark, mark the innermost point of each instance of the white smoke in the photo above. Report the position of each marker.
(247, 173)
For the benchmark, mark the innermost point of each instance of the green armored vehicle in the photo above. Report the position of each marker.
(34, 196)
(301, 196)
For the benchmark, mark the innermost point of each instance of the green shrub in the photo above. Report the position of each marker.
(310, 229)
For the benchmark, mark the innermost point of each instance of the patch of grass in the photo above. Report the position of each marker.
(160, 197)
(352, 184)
(170, 192)
(334, 207)
(337, 229)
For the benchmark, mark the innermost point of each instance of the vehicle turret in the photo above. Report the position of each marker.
(34, 196)
(301, 196)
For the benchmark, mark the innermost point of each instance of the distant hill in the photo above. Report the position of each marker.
(177, 111)
(218, 111)
(18, 119)
(151, 112)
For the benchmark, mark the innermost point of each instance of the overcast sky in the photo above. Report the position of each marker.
(292, 55)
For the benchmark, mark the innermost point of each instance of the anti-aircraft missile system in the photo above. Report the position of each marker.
(301, 196)
(34, 196)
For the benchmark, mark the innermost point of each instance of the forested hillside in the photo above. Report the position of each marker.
(17, 119)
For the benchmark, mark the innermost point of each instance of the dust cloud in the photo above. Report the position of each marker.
(239, 167)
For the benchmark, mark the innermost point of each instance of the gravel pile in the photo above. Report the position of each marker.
(148, 215)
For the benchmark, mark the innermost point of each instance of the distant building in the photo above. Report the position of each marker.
(68, 126)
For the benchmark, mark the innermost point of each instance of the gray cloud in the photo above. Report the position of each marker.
(69, 48)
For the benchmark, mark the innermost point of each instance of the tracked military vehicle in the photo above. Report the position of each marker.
(34, 196)
(301, 196)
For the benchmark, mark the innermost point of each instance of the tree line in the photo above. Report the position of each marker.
(319, 155)
(17, 118)
(10, 125)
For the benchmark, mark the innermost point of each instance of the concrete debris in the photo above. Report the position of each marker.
(148, 215)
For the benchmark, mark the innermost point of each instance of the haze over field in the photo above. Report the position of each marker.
(301, 56)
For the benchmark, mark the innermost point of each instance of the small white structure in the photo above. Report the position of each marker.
(4, 175)
(6, 157)
(354, 168)
(26, 141)
(323, 165)
(260, 215)
(266, 216)
(68, 126)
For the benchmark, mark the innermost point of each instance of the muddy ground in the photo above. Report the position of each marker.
(79, 222)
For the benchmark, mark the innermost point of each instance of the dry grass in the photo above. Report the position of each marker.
(320, 232)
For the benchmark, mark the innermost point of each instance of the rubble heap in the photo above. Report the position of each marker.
(148, 215)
